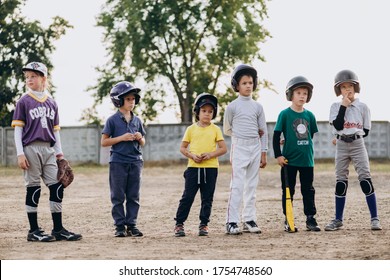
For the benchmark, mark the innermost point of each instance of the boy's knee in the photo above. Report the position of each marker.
(341, 188)
(56, 192)
(32, 196)
(367, 186)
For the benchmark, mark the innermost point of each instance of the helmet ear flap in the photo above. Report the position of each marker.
(234, 84)
(289, 95)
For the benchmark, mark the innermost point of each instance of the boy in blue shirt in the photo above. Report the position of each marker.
(124, 132)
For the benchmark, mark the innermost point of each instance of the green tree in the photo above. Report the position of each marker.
(21, 41)
(188, 44)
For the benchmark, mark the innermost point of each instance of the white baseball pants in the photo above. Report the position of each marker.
(245, 156)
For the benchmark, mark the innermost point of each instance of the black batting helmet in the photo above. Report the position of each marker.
(240, 70)
(203, 99)
(346, 76)
(296, 82)
(120, 90)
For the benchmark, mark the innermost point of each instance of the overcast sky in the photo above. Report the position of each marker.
(315, 39)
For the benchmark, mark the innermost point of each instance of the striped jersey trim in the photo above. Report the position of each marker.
(17, 123)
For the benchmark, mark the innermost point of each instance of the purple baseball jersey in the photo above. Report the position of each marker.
(38, 117)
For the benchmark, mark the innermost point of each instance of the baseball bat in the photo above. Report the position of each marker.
(289, 207)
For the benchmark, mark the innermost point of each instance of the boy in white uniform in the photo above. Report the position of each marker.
(244, 121)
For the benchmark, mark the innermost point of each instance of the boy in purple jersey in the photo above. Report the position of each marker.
(351, 121)
(38, 144)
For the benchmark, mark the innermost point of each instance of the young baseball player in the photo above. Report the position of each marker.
(38, 145)
(244, 121)
(124, 132)
(351, 121)
(298, 126)
(202, 144)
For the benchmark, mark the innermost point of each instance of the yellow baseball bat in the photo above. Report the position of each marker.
(289, 206)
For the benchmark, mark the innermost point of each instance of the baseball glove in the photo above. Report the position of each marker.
(65, 173)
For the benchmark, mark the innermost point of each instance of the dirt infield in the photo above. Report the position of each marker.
(87, 211)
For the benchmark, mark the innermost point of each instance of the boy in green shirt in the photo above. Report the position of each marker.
(298, 126)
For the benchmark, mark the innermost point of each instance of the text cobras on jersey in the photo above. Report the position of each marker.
(39, 112)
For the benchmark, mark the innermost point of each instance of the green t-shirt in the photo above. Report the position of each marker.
(297, 129)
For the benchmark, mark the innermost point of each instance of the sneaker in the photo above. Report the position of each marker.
(233, 229)
(203, 230)
(334, 225)
(39, 235)
(288, 229)
(375, 224)
(311, 224)
(134, 231)
(64, 234)
(120, 231)
(179, 230)
(251, 227)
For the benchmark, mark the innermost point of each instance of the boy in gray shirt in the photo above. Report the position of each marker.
(244, 121)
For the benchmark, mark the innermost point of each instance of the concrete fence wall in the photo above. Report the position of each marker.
(81, 144)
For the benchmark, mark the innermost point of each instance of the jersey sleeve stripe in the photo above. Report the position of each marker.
(17, 123)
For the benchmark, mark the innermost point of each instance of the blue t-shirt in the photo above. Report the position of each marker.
(125, 151)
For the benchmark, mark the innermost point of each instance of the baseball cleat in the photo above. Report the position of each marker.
(64, 234)
(39, 235)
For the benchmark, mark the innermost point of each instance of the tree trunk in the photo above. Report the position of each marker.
(186, 111)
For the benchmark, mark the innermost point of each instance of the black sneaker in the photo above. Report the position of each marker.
(64, 234)
(311, 224)
(120, 231)
(134, 231)
(39, 235)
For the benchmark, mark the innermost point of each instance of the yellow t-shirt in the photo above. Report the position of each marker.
(202, 140)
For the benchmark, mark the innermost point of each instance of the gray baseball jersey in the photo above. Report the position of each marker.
(357, 117)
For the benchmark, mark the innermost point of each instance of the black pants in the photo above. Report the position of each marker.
(306, 175)
(203, 179)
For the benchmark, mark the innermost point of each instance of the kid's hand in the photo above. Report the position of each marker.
(205, 156)
(128, 137)
(261, 132)
(137, 136)
(263, 161)
(23, 162)
(282, 161)
(196, 158)
(346, 101)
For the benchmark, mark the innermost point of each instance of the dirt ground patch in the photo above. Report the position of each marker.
(87, 210)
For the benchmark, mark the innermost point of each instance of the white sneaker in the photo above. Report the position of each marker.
(375, 224)
(251, 227)
(233, 229)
